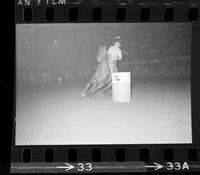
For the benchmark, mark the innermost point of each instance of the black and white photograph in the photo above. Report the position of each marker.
(108, 83)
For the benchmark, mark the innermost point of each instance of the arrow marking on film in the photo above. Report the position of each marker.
(156, 166)
(67, 167)
(194, 166)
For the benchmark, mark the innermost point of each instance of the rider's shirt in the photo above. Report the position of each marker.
(114, 53)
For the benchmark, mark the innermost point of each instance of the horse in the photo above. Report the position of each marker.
(102, 77)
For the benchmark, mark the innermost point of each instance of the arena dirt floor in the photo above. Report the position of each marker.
(53, 114)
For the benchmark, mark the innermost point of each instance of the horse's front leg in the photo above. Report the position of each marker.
(93, 89)
(88, 86)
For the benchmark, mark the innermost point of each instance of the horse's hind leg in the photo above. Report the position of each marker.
(98, 88)
(109, 85)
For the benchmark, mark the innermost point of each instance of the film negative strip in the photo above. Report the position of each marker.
(106, 86)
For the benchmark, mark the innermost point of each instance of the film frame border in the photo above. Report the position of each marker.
(119, 153)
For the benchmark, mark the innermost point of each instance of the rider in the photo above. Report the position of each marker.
(114, 54)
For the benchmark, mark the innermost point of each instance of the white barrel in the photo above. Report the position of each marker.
(121, 87)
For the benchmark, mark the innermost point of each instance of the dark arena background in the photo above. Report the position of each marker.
(55, 62)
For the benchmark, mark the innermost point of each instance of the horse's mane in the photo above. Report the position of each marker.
(102, 70)
(102, 53)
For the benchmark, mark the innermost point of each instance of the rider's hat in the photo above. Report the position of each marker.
(116, 40)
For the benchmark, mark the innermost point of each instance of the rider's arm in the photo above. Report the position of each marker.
(119, 54)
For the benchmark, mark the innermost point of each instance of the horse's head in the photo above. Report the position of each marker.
(102, 53)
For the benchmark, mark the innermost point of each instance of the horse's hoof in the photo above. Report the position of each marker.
(83, 94)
